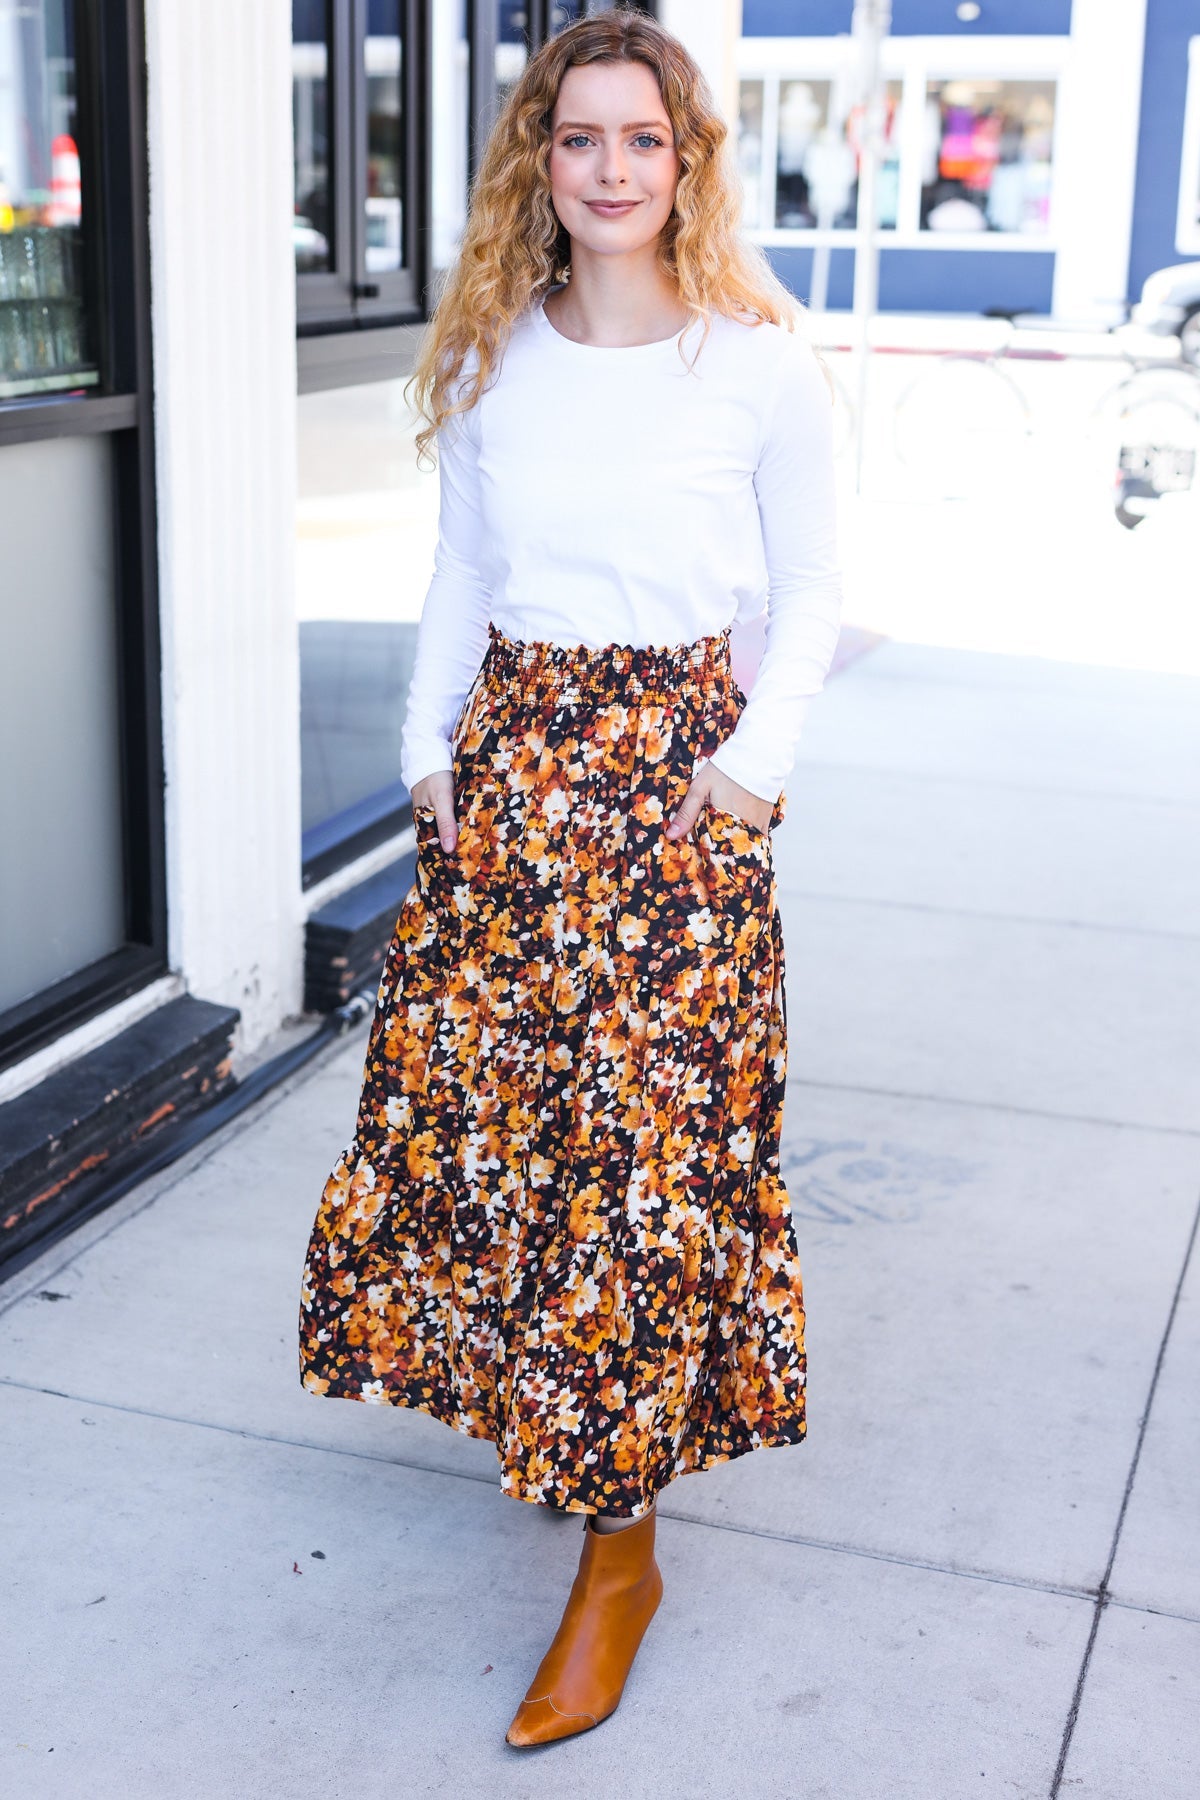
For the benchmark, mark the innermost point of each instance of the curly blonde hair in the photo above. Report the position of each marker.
(514, 249)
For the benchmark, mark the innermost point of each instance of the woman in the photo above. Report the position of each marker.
(561, 1224)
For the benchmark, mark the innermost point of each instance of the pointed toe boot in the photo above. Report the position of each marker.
(613, 1599)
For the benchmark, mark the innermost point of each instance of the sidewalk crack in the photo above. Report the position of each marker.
(1103, 1594)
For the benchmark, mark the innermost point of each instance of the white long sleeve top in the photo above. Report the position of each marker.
(597, 495)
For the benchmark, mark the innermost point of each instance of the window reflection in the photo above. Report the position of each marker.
(803, 115)
(749, 147)
(514, 37)
(512, 47)
(312, 227)
(62, 879)
(384, 58)
(366, 530)
(889, 162)
(988, 156)
(450, 129)
(45, 341)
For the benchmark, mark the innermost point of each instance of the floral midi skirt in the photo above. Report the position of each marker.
(561, 1224)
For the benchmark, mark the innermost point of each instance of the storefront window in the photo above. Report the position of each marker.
(987, 156)
(82, 902)
(312, 228)
(817, 154)
(45, 332)
(889, 166)
(803, 116)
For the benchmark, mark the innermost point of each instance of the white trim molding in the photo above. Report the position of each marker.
(219, 88)
(1187, 223)
(711, 30)
(22, 1076)
(1099, 109)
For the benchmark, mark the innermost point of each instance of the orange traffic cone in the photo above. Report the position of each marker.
(65, 195)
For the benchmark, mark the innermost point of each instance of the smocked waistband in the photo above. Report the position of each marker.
(564, 671)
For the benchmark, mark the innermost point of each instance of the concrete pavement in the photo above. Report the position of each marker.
(218, 1586)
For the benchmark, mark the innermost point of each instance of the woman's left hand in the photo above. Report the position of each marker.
(713, 785)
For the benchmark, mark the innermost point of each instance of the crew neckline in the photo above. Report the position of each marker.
(655, 345)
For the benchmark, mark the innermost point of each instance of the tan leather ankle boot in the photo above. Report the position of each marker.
(614, 1597)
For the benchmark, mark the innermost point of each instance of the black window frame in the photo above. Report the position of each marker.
(111, 100)
(483, 27)
(348, 298)
(341, 339)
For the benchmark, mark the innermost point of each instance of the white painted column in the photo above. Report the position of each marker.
(712, 30)
(223, 284)
(1096, 134)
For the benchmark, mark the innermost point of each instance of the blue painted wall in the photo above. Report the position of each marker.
(962, 281)
(1169, 25)
(910, 18)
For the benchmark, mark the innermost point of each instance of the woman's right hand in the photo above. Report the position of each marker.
(437, 790)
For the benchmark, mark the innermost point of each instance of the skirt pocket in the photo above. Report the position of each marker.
(740, 874)
(436, 868)
(729, 825)
(698, 899)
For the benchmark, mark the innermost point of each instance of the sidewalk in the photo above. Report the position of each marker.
(220, 1588)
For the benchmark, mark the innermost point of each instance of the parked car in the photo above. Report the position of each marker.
(1170, 304)
(383, 234)
(312, 250)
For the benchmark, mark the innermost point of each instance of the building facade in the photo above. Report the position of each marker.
(1012, 139)
(221, 230)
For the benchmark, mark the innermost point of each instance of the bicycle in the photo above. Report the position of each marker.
(966, 423)
(964, 420)
(1155, 413)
